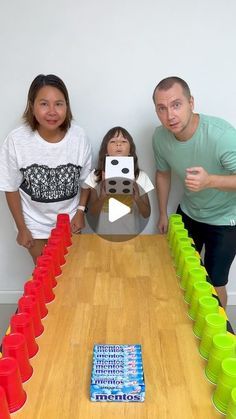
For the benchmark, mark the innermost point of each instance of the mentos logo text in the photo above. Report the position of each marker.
(116, 356)
(118, 362)
(118, 397)
(111, 381)
(108, 348)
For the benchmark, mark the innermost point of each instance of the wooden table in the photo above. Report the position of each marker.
(123, 292)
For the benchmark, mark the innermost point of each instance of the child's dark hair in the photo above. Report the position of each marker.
(115, 132)
(40, 81)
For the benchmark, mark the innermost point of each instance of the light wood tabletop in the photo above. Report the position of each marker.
(125, 292)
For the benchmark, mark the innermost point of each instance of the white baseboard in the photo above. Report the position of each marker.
(10, 297)
(231, 298)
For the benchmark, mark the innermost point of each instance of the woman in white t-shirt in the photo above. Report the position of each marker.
(43, 163)
(118, 142)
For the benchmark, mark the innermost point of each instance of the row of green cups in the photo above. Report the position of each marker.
(179, 242)
(216, 346)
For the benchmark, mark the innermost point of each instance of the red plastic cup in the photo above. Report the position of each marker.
(57, 241)
(23, 323)
(65, 230)
(46, 261)
(4, 412)
(42, 274)
(14, 345)
(57, 232)
(63, 217)
(35, 288)
(65, 225)
(52, 250)
(29, 304)
(10, 380)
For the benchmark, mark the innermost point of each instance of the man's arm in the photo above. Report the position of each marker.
(197, 179)
(24, 237)
(163, 181)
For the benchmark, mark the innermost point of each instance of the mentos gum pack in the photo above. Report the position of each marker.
(117, 374)
(118, 356)
(126, 349)
(117, 371)
(120, 362)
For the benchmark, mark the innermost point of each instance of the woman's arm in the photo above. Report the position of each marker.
(96, 201)
(24, 236)
(77, 222)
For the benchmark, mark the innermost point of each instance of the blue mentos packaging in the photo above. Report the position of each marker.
(126, 349)
(116, 380)
(117, 371)
(117, 374)
(120, 376)
(119, 356)
(133, 363)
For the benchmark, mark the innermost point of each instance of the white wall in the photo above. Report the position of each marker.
(111, 54)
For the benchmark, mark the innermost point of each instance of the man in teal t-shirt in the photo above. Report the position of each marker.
(201, 150)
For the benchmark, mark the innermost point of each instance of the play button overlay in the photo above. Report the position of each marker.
(117, 210)
(113, 212)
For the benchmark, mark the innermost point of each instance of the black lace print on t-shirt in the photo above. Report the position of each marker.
(45, 184)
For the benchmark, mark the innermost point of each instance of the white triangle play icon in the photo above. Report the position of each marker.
(116, 210)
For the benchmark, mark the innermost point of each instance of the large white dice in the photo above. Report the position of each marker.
(119, 175)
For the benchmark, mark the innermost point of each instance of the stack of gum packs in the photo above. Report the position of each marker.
(117, 374)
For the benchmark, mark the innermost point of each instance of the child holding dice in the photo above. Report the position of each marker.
(117, 143)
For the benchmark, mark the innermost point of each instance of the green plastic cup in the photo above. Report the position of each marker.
(172, 223)
(206, 305)
(189, 263)
(231, 410)
(175, 226)
(182, 242)
(184, 251)
(194, 275)
(172, 219)
(177, 235)
(226, 383)
(214, 324)
(223, 346)
(200, 289)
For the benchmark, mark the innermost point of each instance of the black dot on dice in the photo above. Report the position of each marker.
(126, 190)
(125, 170)
(112, 190)
(114, 162)
(126, 182)
(112, 182)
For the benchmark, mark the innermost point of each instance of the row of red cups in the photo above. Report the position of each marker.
(20, 345)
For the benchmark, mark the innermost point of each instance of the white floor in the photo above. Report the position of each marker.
(231, 313)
